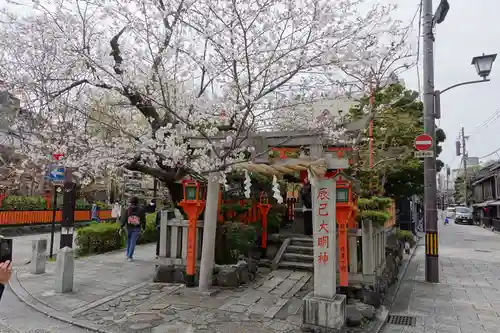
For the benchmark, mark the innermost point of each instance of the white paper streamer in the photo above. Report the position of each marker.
(276, 191)
(223, 181)
(310, 175)
(248, 185)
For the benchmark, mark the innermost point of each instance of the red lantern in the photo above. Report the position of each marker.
(192, 204)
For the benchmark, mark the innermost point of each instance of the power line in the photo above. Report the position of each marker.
(488, 155)
(492, 118)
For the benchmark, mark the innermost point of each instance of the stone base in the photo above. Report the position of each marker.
(223, 276)
(323, 314)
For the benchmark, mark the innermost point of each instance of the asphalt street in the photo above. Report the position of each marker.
(15, 316)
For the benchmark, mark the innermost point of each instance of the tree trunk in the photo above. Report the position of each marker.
(176, 192)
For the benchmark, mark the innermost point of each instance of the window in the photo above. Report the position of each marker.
(462, 210)
(487, 190)
(342, 195)
(478, 195)
(497, 183)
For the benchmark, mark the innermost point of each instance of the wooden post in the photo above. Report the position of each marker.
(353, 254)
(367, 249)
(163, 234)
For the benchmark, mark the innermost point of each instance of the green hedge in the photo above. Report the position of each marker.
(374, 203)
(98, 238)
(104, 237)
(275, 218)
(405, 236)
(14, 202)
(377, 217)
(235, 239)
(374, 209)
(150, 234)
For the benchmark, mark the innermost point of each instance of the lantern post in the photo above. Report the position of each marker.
(344, 214)
(264, 207)
(192, 204)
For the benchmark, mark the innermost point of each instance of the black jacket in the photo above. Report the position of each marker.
(305, 195)
(2, 287)
(158, 220)
(130, 211)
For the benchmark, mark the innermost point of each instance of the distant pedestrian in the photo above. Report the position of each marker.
(116, 211)
(94, 213)
(151, 207)
(134, 220)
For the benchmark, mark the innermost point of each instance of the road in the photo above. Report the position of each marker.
(467, 299)
(15, 316)
(22, 246)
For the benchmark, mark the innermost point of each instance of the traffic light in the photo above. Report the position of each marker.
(457, 147)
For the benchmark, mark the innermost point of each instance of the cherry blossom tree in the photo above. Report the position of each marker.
(172, 88)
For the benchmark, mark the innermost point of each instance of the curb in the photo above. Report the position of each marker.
(385, 311)
(381, 320)
(403, 273)
(28, 299)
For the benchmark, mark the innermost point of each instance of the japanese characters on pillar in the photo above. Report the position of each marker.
(324, 238)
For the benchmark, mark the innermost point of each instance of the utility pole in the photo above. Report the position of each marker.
(68, 213)
(447, 184)
(430, 215)
(465, 156)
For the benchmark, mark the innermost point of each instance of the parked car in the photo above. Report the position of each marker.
(463, 215)
(450, 212)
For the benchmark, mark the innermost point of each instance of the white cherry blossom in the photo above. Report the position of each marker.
(169, 88)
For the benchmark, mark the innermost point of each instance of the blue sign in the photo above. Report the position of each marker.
(55, 173)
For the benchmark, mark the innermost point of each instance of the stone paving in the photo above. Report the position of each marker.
(114, 295)
(467, 299)
(96, 277)
(174, 308)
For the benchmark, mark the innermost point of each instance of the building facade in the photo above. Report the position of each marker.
(486, 195)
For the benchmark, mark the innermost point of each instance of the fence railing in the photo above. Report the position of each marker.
(174, 240)
(29, 217)
(371, 241)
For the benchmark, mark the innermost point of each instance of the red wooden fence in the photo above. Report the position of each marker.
(252, 215)
(45, 216)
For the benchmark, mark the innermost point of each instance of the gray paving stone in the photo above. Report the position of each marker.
(467, 299)
(298, 286)
(273, 282)
(250, 298)
(284, 287)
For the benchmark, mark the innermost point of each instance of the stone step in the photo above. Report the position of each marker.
(299, 266)
(303, 241)
(299, 249)
(298, 257)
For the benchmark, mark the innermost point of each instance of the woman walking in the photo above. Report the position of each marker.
(134, 220)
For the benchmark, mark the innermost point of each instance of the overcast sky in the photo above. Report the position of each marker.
(471, 28)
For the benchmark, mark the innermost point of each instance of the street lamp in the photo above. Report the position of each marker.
(483, 64)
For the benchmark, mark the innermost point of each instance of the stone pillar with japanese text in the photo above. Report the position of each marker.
(324, 237)
(324, 310)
